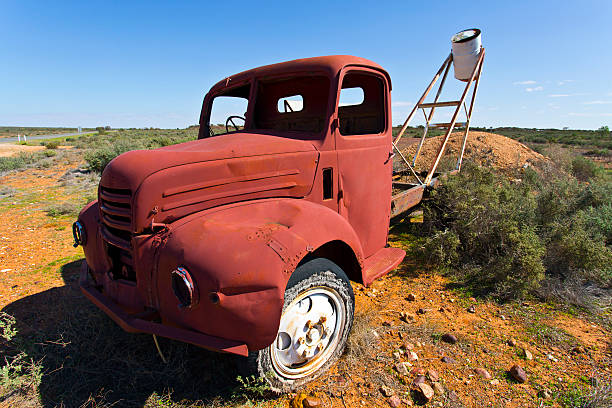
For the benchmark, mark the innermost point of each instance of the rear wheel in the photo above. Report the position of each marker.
(315, 324)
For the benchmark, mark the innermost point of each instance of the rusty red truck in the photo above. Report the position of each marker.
(246, 242)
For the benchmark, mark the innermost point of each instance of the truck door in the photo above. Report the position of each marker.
(363, 144)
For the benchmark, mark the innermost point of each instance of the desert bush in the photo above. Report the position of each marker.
(110, 146)
(99, 158)
(54, 144)
(585, 170)
(503, 239)
(19, 161)
(63, 208)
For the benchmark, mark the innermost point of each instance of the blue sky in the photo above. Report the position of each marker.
(149, 64)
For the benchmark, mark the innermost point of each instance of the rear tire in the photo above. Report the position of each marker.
(315, 324)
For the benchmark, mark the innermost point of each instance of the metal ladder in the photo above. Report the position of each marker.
(475, 78)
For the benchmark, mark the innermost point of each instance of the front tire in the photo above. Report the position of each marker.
(315, 324)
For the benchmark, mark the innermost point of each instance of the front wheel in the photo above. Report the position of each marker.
(315, 324)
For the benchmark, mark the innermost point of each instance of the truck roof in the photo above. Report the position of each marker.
(331, 64)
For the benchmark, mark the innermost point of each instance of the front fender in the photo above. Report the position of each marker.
(240, 258)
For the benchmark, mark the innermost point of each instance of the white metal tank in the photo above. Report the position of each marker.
(467, 45)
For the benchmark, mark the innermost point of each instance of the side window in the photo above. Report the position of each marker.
(361, 107)
(228, 111)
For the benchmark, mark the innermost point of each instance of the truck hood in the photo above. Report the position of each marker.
(162, 185)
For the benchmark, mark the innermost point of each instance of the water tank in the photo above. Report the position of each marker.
(467, 46)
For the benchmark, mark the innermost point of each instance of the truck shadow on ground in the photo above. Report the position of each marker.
(88, 360)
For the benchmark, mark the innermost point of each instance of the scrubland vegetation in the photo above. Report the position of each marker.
(529, 235)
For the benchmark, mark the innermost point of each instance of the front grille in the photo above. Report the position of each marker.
(116, 215)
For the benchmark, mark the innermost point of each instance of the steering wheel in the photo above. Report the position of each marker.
(230, 120)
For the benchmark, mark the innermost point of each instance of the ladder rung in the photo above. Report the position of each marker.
(446, 125)
(439, 104)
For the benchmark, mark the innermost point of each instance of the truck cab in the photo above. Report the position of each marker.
(245, 241)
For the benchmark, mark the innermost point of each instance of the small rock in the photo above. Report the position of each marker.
(438, 388)
(551, 358)
(397, 355)
(311, 402)
(412, 356)
(411, 297)
(518, 373)
(426, 391)
(419, 379)
(375, 333)
(449, 338)
(408, 346)
(495, 382)
(407, 402)
(433, 375)
(511, 342)
(483, 373)
(577, 350)
(6, 270)
(403, 368)
(422, 311)
(394, 401)
(502, 317)
(386, 391)
(419, 344)
(471, 309)
(528, 355)
(405, 317)
(448, 360)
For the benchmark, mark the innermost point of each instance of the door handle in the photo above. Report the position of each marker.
(391, 155)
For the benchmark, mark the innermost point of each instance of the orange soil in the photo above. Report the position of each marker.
(8, 150)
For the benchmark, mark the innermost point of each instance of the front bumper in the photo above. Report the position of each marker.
(145, 324)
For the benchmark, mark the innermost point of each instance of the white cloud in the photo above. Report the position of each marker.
(524, 83)
(558, 95)
(597, 103)
(565, 81)
(534, 89)
(589, 114)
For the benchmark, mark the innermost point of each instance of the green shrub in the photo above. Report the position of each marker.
(585, 170)
(54, 144)
(18, 161)
(504, 239)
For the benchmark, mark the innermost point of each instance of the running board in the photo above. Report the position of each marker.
(381, 263)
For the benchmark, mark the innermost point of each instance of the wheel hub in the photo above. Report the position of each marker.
(308, 332)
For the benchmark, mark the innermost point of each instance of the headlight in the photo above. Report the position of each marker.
(184, 288)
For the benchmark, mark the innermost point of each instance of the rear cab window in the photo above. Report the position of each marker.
(296, 104)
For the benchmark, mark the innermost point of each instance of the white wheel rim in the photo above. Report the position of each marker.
(309, 332)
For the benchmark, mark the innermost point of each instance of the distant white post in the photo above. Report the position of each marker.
(18, 138)
(25, 139)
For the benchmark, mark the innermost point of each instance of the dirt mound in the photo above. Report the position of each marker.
(486, 149)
